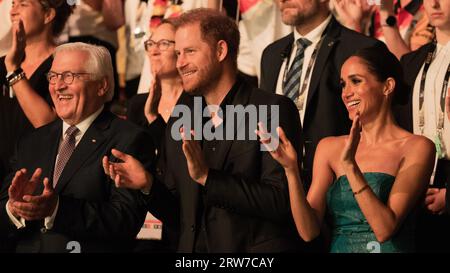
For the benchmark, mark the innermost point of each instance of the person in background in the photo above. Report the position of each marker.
(427, 72)
(58, 191)
(401, 24)
(152, 111)
(96, 22)
(25, 102)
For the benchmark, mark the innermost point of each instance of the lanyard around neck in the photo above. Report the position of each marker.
(430, 57)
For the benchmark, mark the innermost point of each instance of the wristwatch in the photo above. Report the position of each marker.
(391, 21)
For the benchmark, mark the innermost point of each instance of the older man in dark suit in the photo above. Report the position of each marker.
(75, 207)
(305, 66)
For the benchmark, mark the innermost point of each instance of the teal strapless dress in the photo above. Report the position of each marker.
(351, 232)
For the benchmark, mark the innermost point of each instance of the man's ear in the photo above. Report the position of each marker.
(222, 50)
(389, 86)
(103, 87)
(49, 15)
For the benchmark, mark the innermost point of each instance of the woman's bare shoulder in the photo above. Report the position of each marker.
(332, 141)
(418, 145)
(420, 141)
(331, 147)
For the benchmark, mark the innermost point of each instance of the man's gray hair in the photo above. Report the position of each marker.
(99, 63)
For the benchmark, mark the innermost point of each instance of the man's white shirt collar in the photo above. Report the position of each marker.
(85, 124)
(315, 34)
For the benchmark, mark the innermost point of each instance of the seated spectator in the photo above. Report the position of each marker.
(230, 196)
(59, 192)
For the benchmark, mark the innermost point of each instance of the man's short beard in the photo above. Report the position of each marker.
(298, 20)
(195, 91)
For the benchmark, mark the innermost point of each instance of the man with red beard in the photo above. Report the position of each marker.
(231, 196)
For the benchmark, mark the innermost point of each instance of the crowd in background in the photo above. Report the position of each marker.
(87, 150)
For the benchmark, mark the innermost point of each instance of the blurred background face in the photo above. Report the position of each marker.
(76, 101)
(361, 90)
(197, 63)
(32, 14)
(296, 12)
(163, 58)
(438, 11)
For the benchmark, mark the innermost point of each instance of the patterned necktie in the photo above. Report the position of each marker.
(65, 151)
(292, 82)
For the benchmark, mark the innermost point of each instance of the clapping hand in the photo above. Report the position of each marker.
(37, 207)
(197, 167)
(129, 173)
(284, 153)
(16, 53)
(152, 102)
(22, 185)
(352, 142)
(353, 12)
(21, 201)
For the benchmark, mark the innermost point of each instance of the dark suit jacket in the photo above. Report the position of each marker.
(246, 201)
(91, 209)
(135, 114)
(325, 114)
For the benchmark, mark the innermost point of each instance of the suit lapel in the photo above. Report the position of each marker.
(177, 163)
(91, 141)
(328, 43)
(275, 67)
(417, 64)
(54, 137)
(410, 77)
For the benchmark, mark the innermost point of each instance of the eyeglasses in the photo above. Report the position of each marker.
(67, 76)
(162, 45)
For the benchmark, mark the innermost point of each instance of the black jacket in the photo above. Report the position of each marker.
(245, 200)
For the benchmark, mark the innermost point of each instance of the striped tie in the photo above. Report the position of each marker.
(65, 151)
(292, 81)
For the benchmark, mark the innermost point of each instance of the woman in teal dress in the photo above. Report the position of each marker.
(369, 182)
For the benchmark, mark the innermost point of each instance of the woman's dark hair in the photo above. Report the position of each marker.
(62, 12)
(383, 64)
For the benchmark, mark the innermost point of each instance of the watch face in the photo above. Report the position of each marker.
(391, 21)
